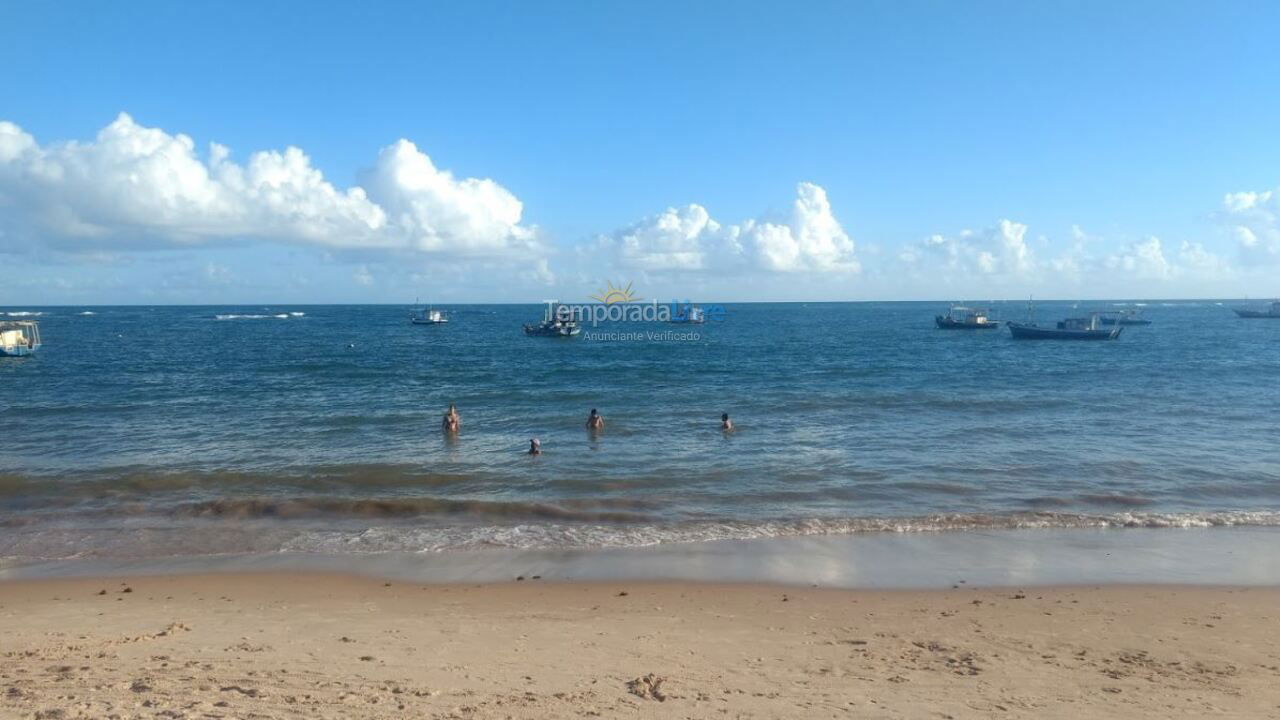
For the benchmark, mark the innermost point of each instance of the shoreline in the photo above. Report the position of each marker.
(329, 646)
(1233, 556)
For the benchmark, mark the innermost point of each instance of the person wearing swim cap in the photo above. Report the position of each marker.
(535, 447)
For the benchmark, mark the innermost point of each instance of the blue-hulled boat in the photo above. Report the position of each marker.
(1271, 312)
(1086, 328)
(19, 338)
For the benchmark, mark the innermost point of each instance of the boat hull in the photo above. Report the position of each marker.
(947, 323)
(18, 350)
(1256, 314)
(1033, 332)
(535, 331)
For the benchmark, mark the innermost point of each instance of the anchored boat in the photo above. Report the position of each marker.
(428, 317)
(688, 314)
(960, 317)
(1271, 312)
(1124, 317)
(555, 324)
(1086, 328)
(19, 338)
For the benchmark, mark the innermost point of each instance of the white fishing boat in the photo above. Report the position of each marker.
(18, 338)
(428, 316)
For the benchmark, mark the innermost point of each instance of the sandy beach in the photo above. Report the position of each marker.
(337, 646)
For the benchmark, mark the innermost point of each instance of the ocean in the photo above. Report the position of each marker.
(151, 432)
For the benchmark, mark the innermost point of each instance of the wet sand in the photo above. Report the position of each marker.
(281, 645)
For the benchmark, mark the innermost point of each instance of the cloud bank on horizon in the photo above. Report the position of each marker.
(134, 190)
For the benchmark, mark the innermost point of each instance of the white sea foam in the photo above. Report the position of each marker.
(237, 316)
(87, 312)
(297, 314)
(24, 313)
(542, 536)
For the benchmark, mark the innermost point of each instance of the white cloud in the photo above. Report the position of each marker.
(1254, 218)
(139, 186)
(689, 239)
(1143, 260)
(1000, 250)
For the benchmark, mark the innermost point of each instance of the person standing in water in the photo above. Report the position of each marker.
(451, 421)
(594, 421)
(535, 447)
(725, 423)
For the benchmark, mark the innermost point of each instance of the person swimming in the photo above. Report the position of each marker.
(594, 421)
(535, 447)
(725, 423)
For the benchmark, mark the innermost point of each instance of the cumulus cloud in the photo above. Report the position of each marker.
(689, 239)
(1000, 250)
(140, 186)
(1254, 218)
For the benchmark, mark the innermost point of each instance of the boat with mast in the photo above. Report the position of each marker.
(427, 316)
(555, 323)
(1272, 311)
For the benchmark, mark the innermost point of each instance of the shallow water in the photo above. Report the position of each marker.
(144, 432)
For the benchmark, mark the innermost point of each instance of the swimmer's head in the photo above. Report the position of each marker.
(724, 416)
(593, 412)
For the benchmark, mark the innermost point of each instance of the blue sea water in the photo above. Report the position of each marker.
(157, 431)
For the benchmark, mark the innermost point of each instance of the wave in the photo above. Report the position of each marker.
(24, 313)
(203, 532)
(86, 312)
(239, 316)
(553, 536)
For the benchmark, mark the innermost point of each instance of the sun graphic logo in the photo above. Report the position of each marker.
(611, 294)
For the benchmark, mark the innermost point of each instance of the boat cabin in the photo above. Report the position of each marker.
(19, 338)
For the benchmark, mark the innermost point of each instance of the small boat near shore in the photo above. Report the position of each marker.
(1273, 311)
(19, 338)
(1086, 328)
(960, 317)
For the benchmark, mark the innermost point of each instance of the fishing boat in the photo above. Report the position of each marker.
(18, 338)
(960, 317)
(555, 324)
(429, 316)
(1086, 328)
(1271, 312)
(688, 315)
(1124, 317)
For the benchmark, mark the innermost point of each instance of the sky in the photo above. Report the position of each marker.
(313, 152)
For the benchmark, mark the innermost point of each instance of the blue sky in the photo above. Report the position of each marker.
(927, 150)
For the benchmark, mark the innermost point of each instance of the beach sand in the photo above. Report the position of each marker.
(333, 646)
